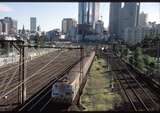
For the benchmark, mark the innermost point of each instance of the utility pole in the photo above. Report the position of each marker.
(158, 54)
(22, 75)
(158, 51)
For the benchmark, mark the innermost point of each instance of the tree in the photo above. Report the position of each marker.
(147, 59)
(42, 39)
(125, 52)
(131, 60)
(36, 39)
(138, 58)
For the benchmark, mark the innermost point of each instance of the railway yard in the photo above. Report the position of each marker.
(136, 93)
(118, 87)
(39, 72)
(111, 84)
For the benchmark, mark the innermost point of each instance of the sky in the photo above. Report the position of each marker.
(50, 15)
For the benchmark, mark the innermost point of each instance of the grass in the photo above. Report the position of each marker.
(97, 95)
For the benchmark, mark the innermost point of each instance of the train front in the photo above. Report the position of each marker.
(62, 93)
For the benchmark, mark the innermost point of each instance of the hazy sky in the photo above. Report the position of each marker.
(50, 15)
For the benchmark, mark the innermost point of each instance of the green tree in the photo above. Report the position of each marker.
(125, 52)
(147, 59)
(131, 60)
(138, 58)
(36, 39)
(42, 40)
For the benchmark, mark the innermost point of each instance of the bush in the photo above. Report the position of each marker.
(149, 61)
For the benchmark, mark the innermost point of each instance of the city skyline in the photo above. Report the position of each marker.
(23, 11)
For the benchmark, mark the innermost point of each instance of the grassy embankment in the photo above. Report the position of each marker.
(97, 94)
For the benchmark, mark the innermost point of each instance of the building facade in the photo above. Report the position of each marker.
(114, 17)
(67, 25)
(33, 24)
(8, 26)
(142, 19)
(1, 28)
(122, 18)
(136, 34)
(88, 13)
(53, 35)
(129, 17)
(99, 27)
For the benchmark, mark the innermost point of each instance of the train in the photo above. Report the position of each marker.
(65, 90)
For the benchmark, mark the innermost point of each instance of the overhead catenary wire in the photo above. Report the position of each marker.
(149, 96)
(30, 76)
(139, 84)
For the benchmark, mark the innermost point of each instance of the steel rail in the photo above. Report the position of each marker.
(49, 84)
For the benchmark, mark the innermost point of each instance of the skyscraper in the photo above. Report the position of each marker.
(128, 17)
(114, 19)
(0, 27)
(33, 23)
(88, 13)
(9, 26)
(95, 13)
(82, 13)
(142, 19)
(67, 24)
(131, 14)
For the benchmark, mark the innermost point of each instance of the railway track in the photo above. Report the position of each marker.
(45, 102)
(137, 94)
(42, 78)
(44, 97)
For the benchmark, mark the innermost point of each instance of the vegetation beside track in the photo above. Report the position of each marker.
(97, 94)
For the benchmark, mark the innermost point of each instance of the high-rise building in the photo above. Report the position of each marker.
(82, 13)
(9, 26)
(129, 15)
(114, 19)
(5, 27)
(122, 18)
(67, 24)
(142, 19)
(99, 28)
(0, 27)
(88, 13)
(33, 24)
(95, 13)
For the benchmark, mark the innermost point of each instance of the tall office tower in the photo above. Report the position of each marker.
(132, 13)
(142, 19)
(0, 27)
(114, 19)
(10, 25)
(5, 28)
(137, 13)
(129, 17)
(82, 13)
(88, 13)
(67, 24)
(33, 23)
(95, 13)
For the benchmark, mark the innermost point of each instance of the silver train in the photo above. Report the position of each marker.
(65, 90)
